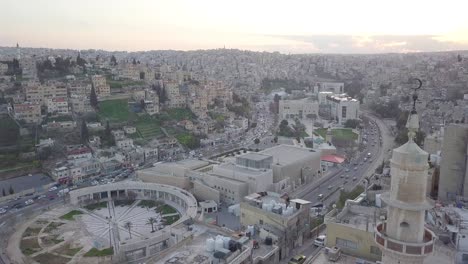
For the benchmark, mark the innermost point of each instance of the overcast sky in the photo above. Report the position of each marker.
(288, 26)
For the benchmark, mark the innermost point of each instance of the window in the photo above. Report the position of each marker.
(375, 250)
(404, 224)
(343, 111)
(465, 257)
(260, 221)
(344, 243)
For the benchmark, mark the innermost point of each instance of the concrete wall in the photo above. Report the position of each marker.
(257, 182)
(203, 192)
(453, 165)
(227, 188)
(363, 239)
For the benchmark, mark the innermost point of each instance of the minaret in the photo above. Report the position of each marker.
(18, 52)
(403, 238)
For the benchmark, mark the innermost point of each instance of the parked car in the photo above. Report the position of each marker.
(2, 211)
(320, 196)
(320, 241)
(299, 259)
(53, 188)
(28, 202)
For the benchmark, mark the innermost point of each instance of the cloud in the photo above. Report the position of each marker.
(377, 43)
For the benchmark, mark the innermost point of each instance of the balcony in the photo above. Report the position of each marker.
(407, 248)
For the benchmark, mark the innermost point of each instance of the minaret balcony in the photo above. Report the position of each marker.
(424, 248)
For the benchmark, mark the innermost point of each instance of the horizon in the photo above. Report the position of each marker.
(271, 26)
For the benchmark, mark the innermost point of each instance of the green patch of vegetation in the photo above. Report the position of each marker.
(95, 206)
(166, 209)
(114, 110)
(9, 131)
(70, 215)
(29, 246)
(148, 127)
(117, 84)
(349, 195)
(49, 258)
(338, 133)
(188, 140)
(179, 114)
(94, 252)
(316, 222)
(169, 220)
(52, 226)
(32, 231)
(123, 202)
(60, 118)
(149, 203)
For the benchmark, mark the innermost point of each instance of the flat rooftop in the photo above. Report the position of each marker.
(285, 154)
(254, 156)
(194, 252)
(240, 169)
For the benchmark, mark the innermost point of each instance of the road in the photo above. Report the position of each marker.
(336, 179)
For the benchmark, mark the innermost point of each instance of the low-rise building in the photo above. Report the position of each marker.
(129, 130)
(126, 143)
(101, 87)
(277, 219)
(57, 105)
(352, 230)
(28, 112)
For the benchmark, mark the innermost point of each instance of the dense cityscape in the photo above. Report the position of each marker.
(232, 156)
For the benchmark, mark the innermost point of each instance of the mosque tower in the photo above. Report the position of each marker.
(403, 237)
(18, 52)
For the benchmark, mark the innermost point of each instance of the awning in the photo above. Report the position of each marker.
(333, 159)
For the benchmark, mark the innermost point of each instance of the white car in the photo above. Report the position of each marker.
(28, 202)
(320, 241)
(2, 211)
(53, 188)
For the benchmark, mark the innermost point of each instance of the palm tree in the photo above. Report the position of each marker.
(128, 225)
(152, 221)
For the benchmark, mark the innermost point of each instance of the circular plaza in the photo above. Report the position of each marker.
(122, 222)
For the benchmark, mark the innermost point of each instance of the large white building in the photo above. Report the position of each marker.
(298, 108)
(342, 107)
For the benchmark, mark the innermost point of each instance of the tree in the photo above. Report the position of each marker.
(142, 104)
(108, 129)
(84, 132)
(134, 61)
(3, 192)
(459, 58)
(113, 60)
(128, 225)
(152, 221)
(257, 141)
(93, 98)
(11, 191)
(351, 123)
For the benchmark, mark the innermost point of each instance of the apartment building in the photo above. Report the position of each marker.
(39, 93)
(57, 105)
(343, 107)
(298, 108)
(100, 85)
(28, 112)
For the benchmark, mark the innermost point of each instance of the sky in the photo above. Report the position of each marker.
(294, 26)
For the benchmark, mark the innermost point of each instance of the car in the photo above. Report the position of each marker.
(28, 202)
(320, 196)
(41, 196)
(53, 188)
(355, 168)
(345, 181)
(299, 259)
(347, 170)
(320, 241)
(2, 211)
(346, 176)
(354, 178)
(329, 187)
